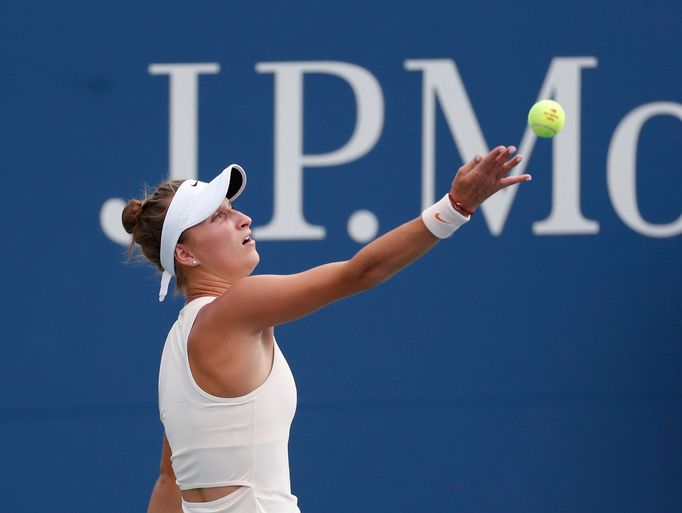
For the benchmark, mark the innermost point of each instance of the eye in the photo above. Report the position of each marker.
(218, 215)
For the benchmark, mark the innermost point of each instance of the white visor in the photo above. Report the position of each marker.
(193, 202)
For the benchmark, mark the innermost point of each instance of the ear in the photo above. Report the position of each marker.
(184, 256)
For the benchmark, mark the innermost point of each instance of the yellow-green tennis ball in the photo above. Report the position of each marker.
(546, 118)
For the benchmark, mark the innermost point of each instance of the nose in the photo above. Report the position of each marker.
(244, 221)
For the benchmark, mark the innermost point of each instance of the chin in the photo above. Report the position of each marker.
(255, 261)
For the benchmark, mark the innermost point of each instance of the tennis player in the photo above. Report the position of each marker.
(226, 394)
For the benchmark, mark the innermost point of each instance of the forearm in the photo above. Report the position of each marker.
(165, 496)
(393, 251)
(258, 302)
(473, 184)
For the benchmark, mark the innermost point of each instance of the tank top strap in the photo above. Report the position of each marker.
(190, 311)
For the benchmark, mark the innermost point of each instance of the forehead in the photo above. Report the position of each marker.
(225, 205)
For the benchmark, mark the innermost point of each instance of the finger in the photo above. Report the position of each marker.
(489, 160)
(511, 180)
(505, 155)
(507, 166)
(471, 164)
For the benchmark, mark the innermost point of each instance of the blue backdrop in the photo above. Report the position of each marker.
(512, 369)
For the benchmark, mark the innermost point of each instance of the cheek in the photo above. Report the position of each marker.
(221, 246)
(210, 244)
(224, 247)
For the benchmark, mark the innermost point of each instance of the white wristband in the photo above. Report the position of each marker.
(442, 219)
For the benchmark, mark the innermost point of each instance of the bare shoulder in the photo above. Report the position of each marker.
(217, 327)
(255, 303)
(227, 361)
(224, 318)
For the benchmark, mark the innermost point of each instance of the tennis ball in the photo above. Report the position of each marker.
(546, 118)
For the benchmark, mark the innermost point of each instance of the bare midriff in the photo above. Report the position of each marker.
(208, 494)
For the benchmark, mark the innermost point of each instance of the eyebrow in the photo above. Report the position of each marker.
(222, 206)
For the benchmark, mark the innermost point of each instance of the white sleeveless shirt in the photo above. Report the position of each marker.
(218, 441)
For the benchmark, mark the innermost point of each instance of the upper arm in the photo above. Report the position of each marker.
(258, 302)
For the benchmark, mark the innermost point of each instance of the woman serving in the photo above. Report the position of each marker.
(226, 394)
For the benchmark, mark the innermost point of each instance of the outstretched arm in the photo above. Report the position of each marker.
(257, 302)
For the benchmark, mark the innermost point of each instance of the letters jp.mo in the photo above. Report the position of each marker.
(442, 88)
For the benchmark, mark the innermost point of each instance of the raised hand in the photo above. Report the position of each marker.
(482, 177)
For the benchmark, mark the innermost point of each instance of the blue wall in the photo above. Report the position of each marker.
(511, 372)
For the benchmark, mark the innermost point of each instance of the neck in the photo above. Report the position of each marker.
(206, 287)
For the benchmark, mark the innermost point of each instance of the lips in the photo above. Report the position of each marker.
(247, 240)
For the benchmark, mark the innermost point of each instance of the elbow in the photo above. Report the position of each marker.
(360, 279)
(373, 278)
(166, 479)
(166, 474)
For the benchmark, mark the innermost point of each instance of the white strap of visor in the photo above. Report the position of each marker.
(165, 281)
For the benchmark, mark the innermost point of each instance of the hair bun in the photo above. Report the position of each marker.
(143, 218)
(131, 215)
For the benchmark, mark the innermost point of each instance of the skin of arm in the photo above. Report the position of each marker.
(257, 302)
(165, 494)
(222, 354)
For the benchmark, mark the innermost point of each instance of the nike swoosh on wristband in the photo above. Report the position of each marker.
(437, 216)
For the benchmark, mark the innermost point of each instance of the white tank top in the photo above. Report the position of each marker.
(218, 441)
